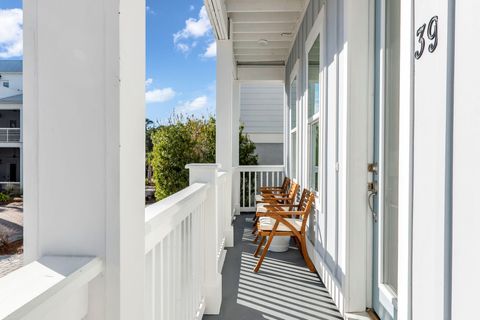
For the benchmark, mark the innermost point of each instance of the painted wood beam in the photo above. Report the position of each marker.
(264, 17)
(260, 58)
(265, 5)
(256, 45)
(261, 51)
(263, 27)
(257, 36)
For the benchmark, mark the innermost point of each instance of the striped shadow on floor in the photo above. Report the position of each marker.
(283, 289)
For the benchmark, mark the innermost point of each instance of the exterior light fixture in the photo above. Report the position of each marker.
(263, 42)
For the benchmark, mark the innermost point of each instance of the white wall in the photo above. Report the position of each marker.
(341, 222)
(466, 160)
(15, 82)
(261, 108)
(84, 141)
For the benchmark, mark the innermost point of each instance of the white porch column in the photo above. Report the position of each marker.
(236, 147)
(207, 173)
(84, 142)
(227, 127)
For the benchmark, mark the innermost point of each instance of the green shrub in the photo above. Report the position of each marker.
(4, 197)
(182, 141)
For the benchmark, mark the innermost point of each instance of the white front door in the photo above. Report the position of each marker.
(387, 76)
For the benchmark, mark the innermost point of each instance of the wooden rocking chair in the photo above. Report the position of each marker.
(285, 220)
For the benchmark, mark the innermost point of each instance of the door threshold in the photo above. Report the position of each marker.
(369, 314)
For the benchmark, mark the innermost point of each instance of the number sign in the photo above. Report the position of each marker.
(432, 35)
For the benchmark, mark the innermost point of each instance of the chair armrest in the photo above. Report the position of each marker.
(280, 213)
(280, 205)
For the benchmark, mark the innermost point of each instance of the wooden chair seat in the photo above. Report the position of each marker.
(261, 198)
(264, 207)
(265, 224)
(277, 220)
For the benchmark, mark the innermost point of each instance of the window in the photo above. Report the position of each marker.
(6, 84)
(391, 145)
(293, 128)
(313, 103)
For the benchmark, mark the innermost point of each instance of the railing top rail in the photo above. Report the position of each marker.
(162, 217)
(27, 290)
(261, 168)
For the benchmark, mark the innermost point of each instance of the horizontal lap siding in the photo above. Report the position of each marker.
(261, 108)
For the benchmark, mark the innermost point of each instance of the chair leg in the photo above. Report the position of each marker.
(305, 254)
(264, 253)
(299, 245)
(255, 219)
(256, 239)
(254, 229)
(260, 244)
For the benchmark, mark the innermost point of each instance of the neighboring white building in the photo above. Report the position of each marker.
(11, 102)
(261, 112)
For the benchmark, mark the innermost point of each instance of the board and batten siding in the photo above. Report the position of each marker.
(339, 248)
(261, 108)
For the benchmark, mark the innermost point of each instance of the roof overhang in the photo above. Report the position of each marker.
(262, 31)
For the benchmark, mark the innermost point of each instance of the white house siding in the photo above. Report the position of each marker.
(261, 112)
(445, 164)
(339, 243)
(15, 84)
(439, 156)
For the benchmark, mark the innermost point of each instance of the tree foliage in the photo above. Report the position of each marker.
(185, 140)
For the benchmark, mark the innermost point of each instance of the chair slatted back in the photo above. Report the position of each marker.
(292, 193)
(285, 184)
(305, 206)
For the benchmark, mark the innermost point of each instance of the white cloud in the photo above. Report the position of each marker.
(211, 51)
(192, 105)
(194, 28)
(159, 95)
(183, 47)
(11, 33)
(148, 82)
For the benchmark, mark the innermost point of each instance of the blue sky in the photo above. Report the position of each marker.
(180, 70)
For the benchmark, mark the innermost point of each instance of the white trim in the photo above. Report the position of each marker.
(405, 182)
(266, 137)
(293, 172)
(318, 31)
(294, 72)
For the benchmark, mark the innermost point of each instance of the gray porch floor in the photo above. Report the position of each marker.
(283, 288)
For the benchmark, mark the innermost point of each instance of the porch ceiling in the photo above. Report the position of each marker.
(263, 30)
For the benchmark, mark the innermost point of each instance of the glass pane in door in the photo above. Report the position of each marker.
(390, 208)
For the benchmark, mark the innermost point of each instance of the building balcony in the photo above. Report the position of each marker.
(13, 135)
(198, 258)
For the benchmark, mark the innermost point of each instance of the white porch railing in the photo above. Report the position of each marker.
(185, 239)
(54, 287)
(184, 248)
(174, 244)
(252, 178)
(10, 135)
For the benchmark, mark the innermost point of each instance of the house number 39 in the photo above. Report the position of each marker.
(432, 35)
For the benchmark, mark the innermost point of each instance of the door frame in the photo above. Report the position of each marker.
(388, 299)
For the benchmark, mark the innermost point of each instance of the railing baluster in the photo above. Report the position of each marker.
(243, 190)
(256, 190)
